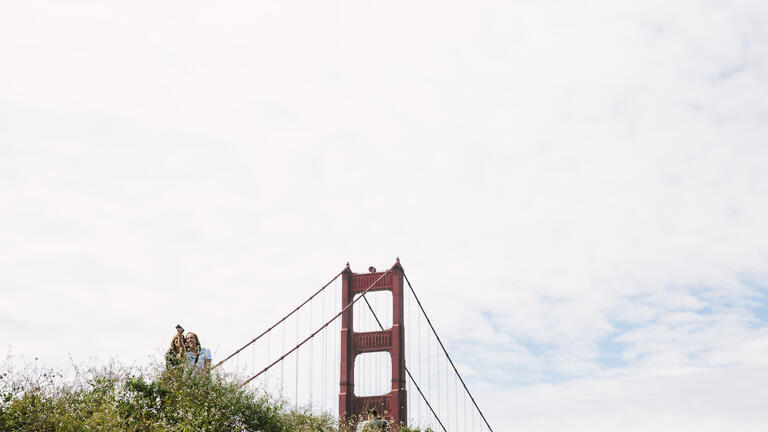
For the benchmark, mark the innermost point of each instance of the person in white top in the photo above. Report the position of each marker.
(199, 358)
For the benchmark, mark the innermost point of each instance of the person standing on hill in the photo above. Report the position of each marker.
(199, 358)
(177, 353)
(374, 423)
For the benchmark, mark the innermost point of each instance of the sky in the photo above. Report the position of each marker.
(576, 189)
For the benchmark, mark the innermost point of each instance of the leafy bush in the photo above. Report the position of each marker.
(115, 398)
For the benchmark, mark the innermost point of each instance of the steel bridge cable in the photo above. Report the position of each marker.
(408, 341)
(446, 352)
(323, 350)
(418, 343)
(308, 350)
(429, 366)
(280, 321)
(282, 365)
(439, 406)
(455, 402)
(296, 378)
(318, 330)
(464, 412)
(409, 373)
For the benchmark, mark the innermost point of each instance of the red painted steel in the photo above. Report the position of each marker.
(393, 405)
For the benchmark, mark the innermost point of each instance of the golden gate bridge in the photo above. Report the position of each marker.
(370, 336)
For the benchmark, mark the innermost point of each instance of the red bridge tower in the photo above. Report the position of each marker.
(392, 405)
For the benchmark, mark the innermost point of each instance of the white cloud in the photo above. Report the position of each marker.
(577, 190)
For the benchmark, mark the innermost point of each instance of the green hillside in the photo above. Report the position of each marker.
(115, 398)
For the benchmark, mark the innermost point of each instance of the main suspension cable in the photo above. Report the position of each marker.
(362, 295)
(280, 321)
(446, 352)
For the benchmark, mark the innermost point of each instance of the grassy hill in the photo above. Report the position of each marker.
(116, 398)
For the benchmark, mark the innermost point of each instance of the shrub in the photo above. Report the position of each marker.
(117, 399)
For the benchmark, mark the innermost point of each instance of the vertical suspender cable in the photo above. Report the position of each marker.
(296, 378)
(418, 343)
(323, 369)
(336, 353)
(439, 405)
(282, 364)
(378, 372)
(464, 411)
(409, 372)
(456, 401)
(311, 357)
(448, 390)
(418, 349)
(315, 332)
(429, 368)
(446, 353)
(408, 344)
(280, 321)
(381, 359)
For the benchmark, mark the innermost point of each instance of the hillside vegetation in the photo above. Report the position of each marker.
(122, 399)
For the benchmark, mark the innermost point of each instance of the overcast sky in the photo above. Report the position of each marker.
(576, 189)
